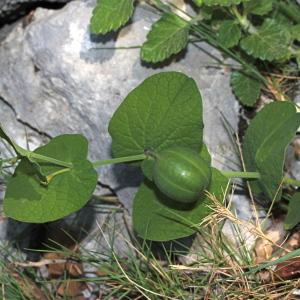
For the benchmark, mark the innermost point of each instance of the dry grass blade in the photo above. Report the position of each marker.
(28, 287)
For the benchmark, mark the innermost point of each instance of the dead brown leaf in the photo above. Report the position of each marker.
(28, 286)
(289, 269)
(73, 268)
(71, 288)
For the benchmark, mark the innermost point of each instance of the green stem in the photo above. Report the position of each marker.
(117, 48)
(49, 159)
(243, 20)
(52, 175)
(245, 175)
(290, 10)
(11, 160)
(202, 31)
(256, 175)
(118, 160)
(291, 181)
(159, 5)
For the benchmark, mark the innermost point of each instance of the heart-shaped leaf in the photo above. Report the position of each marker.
(29, 200)
(163, 111)
(158, 218)
(265, 142)
(109, 15)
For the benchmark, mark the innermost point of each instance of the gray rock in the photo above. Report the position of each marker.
(17, 8)
(57, 79)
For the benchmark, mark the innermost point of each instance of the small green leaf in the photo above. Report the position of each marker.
(222, 2)
(147, 167)
(246, 88)
(258, 7)
(28, 200)
(293, 216)
(229, 34)
(270, 42)
(295, 32)
(163, 111)
(157, 218)
(298, 60)
(265, 142)
(169, 35)
(110, 15)
(204, 153)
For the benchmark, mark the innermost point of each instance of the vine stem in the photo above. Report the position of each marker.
(96, 163)
(245, 175)
(256, 175)
(30, 155)
(11, 160)
(139, 157)
(117, 160)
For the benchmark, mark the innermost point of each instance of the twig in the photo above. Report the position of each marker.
(40, 263)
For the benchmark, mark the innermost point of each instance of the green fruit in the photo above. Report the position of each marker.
(181, 174)
(199, 2)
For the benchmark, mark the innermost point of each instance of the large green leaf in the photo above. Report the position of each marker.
(229, 34)
(109, 15)
(158, 218)
(293, 215)
(222, 2)
(28, 200)
(169, 35)
(246, 88)
(163, 111)
(258, 7)
(270, 42)
(264, 146)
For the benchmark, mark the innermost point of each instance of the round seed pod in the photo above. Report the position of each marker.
(181, 174)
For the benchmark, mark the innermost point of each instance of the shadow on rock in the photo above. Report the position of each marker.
(97, 49)
(129, 175)
(171, 60)
(64, 233)
(169, 251)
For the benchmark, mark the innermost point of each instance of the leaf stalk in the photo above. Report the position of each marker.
(49, 159)
(118, 160)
